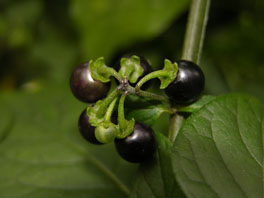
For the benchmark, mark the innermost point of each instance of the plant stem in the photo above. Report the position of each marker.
(113, 72)
(175, 125)
(192, 48)
(103, 106)
(150, 76)
(110, 109)
(121, 114)
(195, 31)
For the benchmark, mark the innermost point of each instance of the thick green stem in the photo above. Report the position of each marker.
(156, 74)
(121, 114)
(195, 31)
(175, 125)
(192, 48)
(109, 111)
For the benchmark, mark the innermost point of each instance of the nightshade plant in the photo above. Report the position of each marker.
(135, 142)
(214, 152)
(198, 151)
(95, 123)
(184, 86)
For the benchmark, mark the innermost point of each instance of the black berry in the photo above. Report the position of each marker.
(139, 146)
(84, 87)
(188, 85)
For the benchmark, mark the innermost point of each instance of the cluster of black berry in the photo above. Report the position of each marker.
(140, 144)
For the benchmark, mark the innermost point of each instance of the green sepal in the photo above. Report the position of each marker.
(131, 68)
(97, 111)
(100, 71)
(172, 69)
(106, 132)
(92, 113)
(128, 130)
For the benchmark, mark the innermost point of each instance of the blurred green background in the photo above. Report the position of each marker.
(41, 41)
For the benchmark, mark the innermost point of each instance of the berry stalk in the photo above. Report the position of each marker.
(109, 110)
(104, 105)
(156, 74)
(112, 72)
(121, 114)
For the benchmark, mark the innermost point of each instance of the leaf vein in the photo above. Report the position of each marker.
(198, 182)
(243, 141)
(199, 169)
(149, 186)
(100, 166)
(213, 138)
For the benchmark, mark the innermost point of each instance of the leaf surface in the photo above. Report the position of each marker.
(218, 153)
(108, 25)
(43, 154)
(148, 115)
(197, 105)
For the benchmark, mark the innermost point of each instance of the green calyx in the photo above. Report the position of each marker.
(106, 132)
(171, 70)
(92, 113)
(101, 72)
(102, 109)
(126, 131)
(131, 69)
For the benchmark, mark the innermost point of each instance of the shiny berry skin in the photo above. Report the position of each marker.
(86, 129)
(145, 64)
(188, 85)
(138, 146)
(84, 87)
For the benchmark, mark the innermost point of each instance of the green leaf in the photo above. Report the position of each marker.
(131, 68)
(243, 70)
(18, 32)
(54, 53)
(149, 114)
(106, 26)
(172, 69)
(197, 105)
(155, 177)
(219, 150)
(6, 123)
(43, 154)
